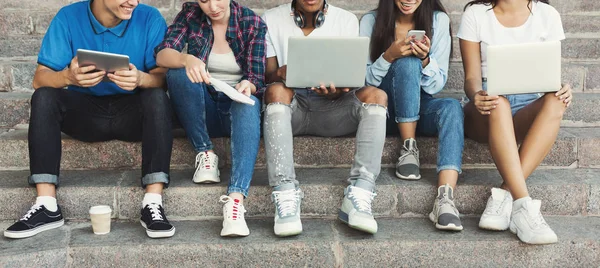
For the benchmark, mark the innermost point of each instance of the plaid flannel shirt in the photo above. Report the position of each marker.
(245, 35)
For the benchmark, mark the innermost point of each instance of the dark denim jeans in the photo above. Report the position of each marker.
(442, 117)
(144, 116)
(204, 115)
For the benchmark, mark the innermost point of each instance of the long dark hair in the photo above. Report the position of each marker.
(495, 2)
(384, 30)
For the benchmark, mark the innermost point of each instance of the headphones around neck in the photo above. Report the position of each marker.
(318, 18)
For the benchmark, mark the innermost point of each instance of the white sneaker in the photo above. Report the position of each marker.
(287, 212)
(207, 168)
(234, 223)
(356, 209)
(529, 225)
(496, 215)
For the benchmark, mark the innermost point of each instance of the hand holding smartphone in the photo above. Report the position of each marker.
(419, 35)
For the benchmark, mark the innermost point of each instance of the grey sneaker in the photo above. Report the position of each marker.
(287, 201)
(444, 214)
(356, 209)
(408, 162)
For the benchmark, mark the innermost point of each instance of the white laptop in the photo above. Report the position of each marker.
(524, 68)
(338, 60)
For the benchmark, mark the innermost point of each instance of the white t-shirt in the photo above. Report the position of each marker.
(479, 24)
(338, 22)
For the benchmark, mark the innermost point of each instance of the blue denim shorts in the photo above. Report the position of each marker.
(518, 101)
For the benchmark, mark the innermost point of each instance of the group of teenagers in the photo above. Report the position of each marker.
(230, 42)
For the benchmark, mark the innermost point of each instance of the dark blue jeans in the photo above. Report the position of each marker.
(205, 114)
(144, 116)
(407, 102)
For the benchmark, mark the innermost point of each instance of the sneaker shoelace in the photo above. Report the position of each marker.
(448, 202)
(538, 220)
(236, 211)
(286, 202)
(494, 207)
(155, 212)
(362, 198)
(408, 151)
(203, 160)
(31, 211)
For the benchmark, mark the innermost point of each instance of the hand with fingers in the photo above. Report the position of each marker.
(565, 95)
(83, 76)
(127, 79)
(398, 49)
(245, 87)
(420, 48)
(485, 103)
(196, 70)
(332, 92)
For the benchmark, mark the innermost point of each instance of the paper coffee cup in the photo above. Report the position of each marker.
(100, 216)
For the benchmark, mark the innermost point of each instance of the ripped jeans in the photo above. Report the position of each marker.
(311, 114)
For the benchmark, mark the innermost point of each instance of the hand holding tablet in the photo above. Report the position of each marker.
(230, 91)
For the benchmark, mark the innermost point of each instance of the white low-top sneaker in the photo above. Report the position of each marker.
(234, 223)
(287, 201)
(207, 168)
(496, 215)
(529, 225)
(356, 209)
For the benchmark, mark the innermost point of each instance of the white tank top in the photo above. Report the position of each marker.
(225, 68)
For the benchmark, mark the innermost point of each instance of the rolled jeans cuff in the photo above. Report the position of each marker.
(43, 178)
(407, 119)
(156, 177)
(449, 167)
(237, 190)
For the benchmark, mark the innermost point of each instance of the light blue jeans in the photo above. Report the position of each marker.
(442, 117)
(205, 113)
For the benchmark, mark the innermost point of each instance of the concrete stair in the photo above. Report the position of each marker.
(568, 182)
(405, 242)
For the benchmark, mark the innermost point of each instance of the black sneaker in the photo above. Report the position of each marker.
(36, 220)
(155, 221)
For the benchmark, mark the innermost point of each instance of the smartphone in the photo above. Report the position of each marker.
(418, 34)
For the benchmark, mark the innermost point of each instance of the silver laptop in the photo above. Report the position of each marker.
(338, 60)
(524, 68)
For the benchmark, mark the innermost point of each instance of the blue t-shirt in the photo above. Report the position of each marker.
(75, 27)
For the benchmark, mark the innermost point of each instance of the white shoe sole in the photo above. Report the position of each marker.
(231, 233)
(34, 231)
(409, 177)
(207, 180)
(531, 239)
(158, 234)
(450, 227)
(289, 229)
(365, 227)
(493, 226)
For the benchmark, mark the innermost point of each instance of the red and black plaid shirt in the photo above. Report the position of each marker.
(245, 35)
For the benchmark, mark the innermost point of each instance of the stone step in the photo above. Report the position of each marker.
(583, 113)
(564, 192)
(407, 242)
(333, 152)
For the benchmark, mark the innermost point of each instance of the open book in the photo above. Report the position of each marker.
(232, 93)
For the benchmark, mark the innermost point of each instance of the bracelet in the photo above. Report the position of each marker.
(423, 59)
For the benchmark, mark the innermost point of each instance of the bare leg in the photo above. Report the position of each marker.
(155, 188)
(46, 189)
(407, 130)
(448, 176)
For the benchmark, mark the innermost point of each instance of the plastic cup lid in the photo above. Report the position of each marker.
(100, 209)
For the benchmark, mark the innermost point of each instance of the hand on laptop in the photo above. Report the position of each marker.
(399, 49)
(127, 79)
(83, 76)
(282, 72)
(245, 87)
(196, 69)
(332, 92)
(484, 103)
(565, 94)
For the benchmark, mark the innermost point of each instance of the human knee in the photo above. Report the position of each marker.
(404, 64)
(278, 92)
(245, 109)
(155, 102)
(553, 106)
(44, 98)
(372, 95)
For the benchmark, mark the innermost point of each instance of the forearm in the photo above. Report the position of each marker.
(152, 80)
(171, 58)
(49, 78)
(472, 86)
(272, 77)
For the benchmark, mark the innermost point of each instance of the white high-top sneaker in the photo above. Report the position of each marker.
(287, 201)
(529, 225)
(496, 215)
(356, 209)
(234, 223)
(207, 168)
